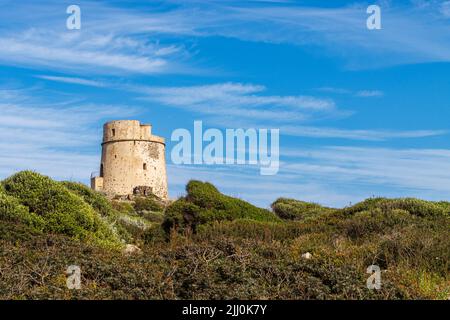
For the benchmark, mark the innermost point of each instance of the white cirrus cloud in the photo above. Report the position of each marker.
(56, 56)
(118, 39)
(360, 93)
(369, 93)
(239, 100)
(72, 80)
(364, 134)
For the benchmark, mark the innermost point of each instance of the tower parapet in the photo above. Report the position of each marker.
(132, 159)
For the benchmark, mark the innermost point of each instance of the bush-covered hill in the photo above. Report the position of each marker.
(210, 246)
(204, 204)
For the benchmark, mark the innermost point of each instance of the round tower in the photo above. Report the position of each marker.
(133, 160)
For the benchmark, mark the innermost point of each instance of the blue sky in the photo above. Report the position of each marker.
(361, 112)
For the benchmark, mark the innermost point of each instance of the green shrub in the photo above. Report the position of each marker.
(130, 219)
(62, 211)
(182, 215)
(366, 223)
(416, 207)
(123, 207)
(290, 209)
(12, 211)
(142, 204)
(103, 206)
(423, 247)
(135, 226)
(204, 204)
(154, 234)
(95, 199)
(221, 207)
(157, 217)
(445, 205)
(249, 229)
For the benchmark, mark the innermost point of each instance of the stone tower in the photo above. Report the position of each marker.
(133, 161)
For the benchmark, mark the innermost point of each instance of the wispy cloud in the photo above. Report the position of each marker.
(370, 93)
(68, 56)
(239, 100)
(99, 47)
(360, 93)
(73, 80)
(245, 105)
(367, 135)
(445, 8)
(342, 31)
(334, 90)
(125, 40)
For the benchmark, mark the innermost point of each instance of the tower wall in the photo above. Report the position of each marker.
(132, 157)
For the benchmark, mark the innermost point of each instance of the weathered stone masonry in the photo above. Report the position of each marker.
(133, 160)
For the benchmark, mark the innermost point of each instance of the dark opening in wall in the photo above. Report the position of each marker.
(101, 170)
(113, 132)
(145, 166)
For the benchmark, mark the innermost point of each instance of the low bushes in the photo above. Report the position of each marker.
(95, 199)
(290, 209)
(182, 215)
(143, 204)
(61, 210)
(223, 268)
(12, 211)
(222, 207)
(104, 208)
(211, 246)
(204, 204)
(250, 229)
(416, 207)
(424, 247)
(123, 207)
(365, 223)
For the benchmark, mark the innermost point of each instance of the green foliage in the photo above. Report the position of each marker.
(182, 215)
(290, 209)
(152, 216)
(366, 223)
(143, 204)
(424, 246)
(222, 268)
(104, 207)
(134, 226)
(211, 246)
(12, 211)
(413, 206)
(249, 229)
(445, 205)
(205, 204)
(154, 234)
(123, 207)
(129, 219)
(95, 199)
(221, 207)
(61, 210)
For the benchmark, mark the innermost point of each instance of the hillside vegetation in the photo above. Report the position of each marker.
(207, 245)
